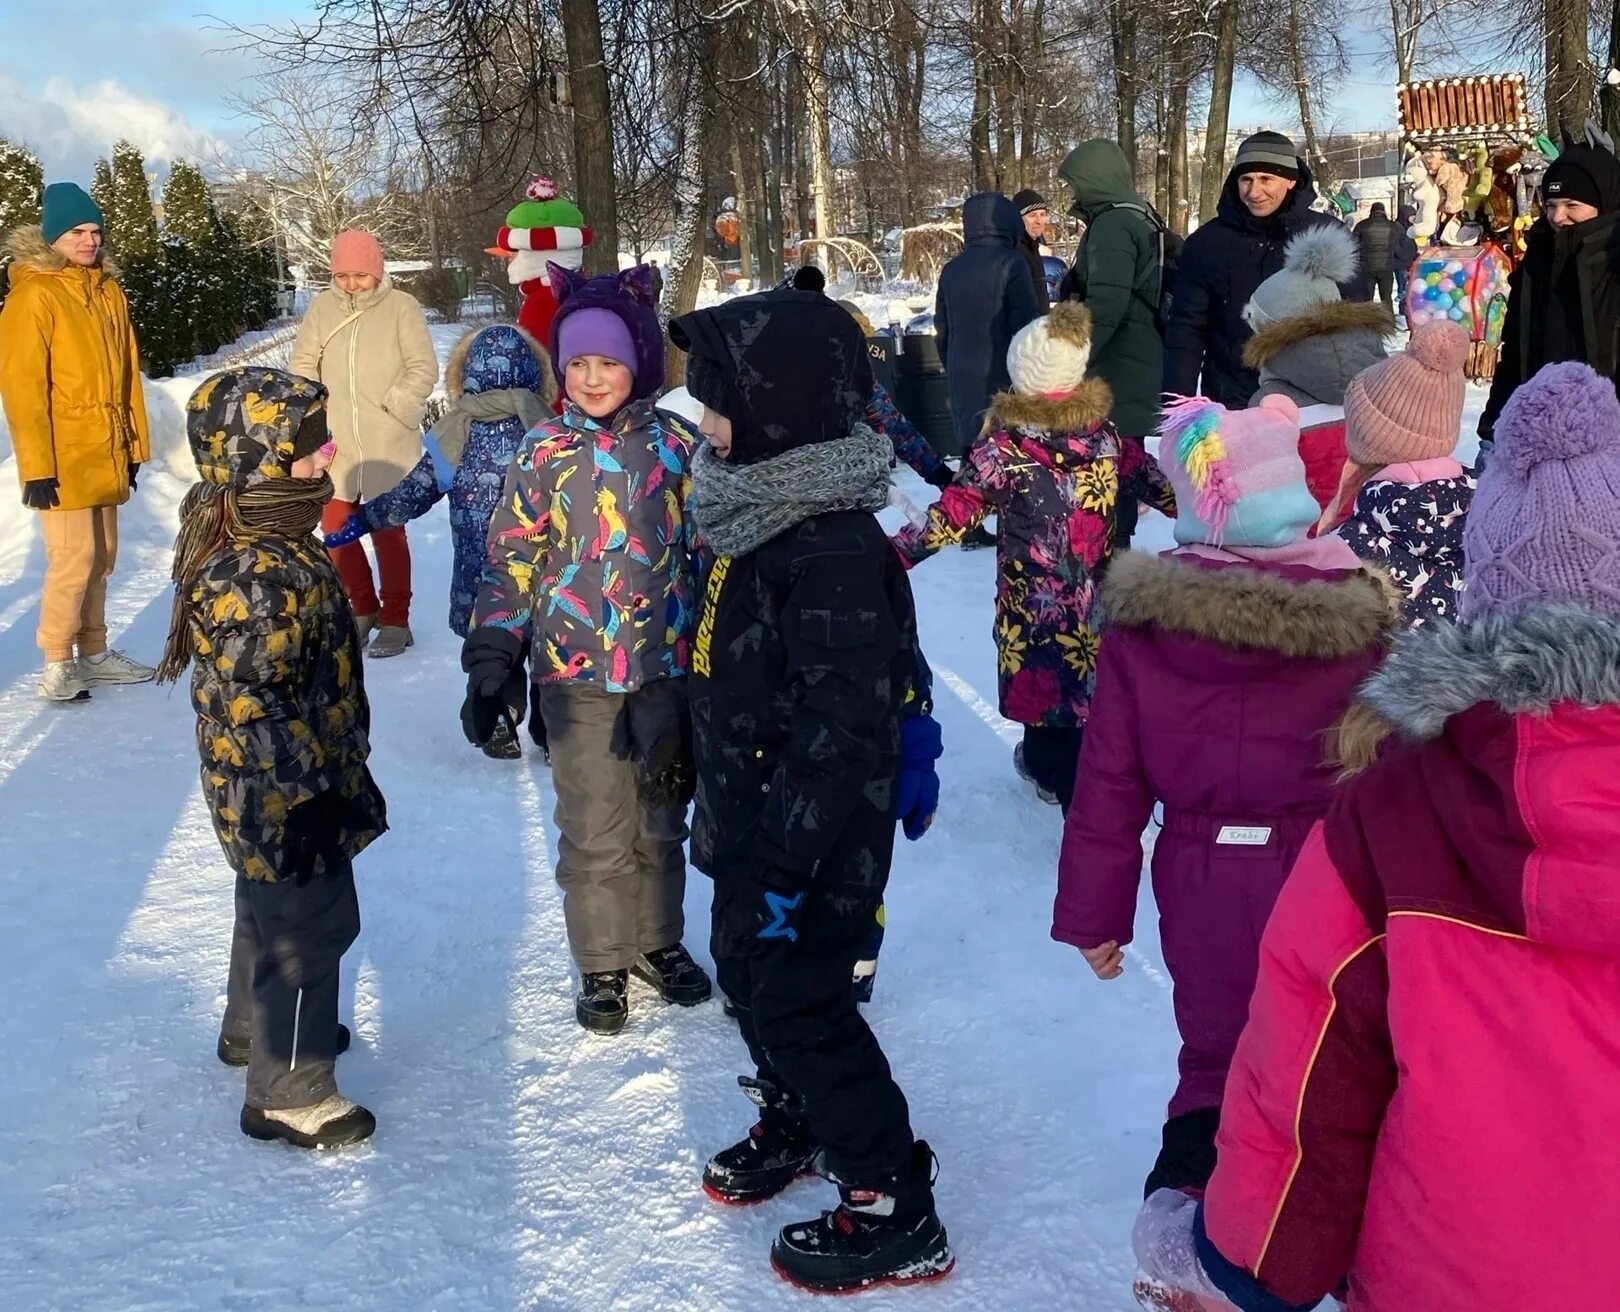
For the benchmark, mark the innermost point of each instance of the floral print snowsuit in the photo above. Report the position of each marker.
(1053, 473)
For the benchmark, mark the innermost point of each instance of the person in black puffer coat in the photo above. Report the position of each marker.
(1032, 212)
(804, 661)
(1226, 259)
(1379, 239)
(986, 294)
(1564, 302)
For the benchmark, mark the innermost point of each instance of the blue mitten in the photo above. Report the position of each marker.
(354, 528)
(921, 744)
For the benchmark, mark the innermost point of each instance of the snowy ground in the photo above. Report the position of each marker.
(519, 1163)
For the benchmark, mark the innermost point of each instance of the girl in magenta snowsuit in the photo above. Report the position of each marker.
(1223, 670)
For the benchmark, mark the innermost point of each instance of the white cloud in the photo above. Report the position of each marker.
(70, 124)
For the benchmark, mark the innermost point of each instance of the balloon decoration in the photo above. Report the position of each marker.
(1467, 286)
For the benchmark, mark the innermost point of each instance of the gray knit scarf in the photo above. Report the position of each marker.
(740, 507)
(483, 407)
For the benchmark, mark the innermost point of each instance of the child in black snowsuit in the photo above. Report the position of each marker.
(805, 658)
(282, 724)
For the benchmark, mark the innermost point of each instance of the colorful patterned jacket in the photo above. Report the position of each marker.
(883, 416)
(590, 549)
(1411, 522)
(281, 707)
(1053, 472)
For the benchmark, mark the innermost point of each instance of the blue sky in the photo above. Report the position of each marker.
(73, 80)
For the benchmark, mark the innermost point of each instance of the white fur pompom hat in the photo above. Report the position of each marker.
(1314, 265)
(1049, 356)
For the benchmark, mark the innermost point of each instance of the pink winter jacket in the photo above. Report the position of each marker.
(1426, 1099)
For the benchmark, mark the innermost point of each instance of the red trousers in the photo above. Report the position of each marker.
(393, 569)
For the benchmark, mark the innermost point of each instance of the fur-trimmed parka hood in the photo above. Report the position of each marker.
(32, 254)
(496, 368)
(1326, 617)
(1083, 411)
(1338, 317)
(1522, 662)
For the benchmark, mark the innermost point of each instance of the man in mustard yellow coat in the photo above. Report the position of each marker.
(70, 381)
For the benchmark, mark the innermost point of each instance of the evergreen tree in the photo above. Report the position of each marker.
(132, 230)
(101, 188)
(20, 180)
(197, 269)
(188, 209)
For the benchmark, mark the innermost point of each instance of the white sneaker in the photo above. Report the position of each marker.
(113, 667)
(62, 683)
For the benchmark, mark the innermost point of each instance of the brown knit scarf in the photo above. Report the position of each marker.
(212, 515)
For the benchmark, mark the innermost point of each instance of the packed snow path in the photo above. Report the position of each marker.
(519, 1163)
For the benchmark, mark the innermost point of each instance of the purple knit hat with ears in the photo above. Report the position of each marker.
(1545, 523)
(627, 295)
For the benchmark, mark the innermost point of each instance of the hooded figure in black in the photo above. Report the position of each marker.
(1565, 297)
(804, 660)
(986, 294)
(1223, 263)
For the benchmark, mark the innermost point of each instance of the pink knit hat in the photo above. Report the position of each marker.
(1409, 407)
(1238, 476)
(355, 251)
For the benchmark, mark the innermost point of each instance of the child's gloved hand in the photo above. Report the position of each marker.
(487, 656)
(311, 831)
(942, 477)
(921, 744)
(354, 528)
(1162, 1240)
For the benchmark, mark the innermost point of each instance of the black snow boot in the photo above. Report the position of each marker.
(334, 1123)
(601, 1005)
(675, 975)
(776, 1152)
(238, 1052)
(503, 742)
(885, 1236)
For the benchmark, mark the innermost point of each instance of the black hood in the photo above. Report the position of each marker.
(990, 219)
(1234, 211)
(788, 368)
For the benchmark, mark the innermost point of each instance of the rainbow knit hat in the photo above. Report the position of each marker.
(1238, 475)
(544, 221)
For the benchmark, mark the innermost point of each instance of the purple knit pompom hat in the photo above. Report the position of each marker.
(1545, 522)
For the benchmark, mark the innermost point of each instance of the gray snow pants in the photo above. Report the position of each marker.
(283, 985)
(620, 860)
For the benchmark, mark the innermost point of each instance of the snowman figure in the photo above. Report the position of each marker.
(542, 228)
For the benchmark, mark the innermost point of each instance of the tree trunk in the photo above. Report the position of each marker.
(1005, 88)
(801, 150)
(815, 73)
(1569, 76)
(1123, 38)
(984, 178)
(910, 60)
(1031, 78)
(745, 202)
(595, 186)
(1302, 83)
(691, 209)
(1406, 21)
(1609, 96)
(1180, 202)
(1220, 104)
(1161, 156)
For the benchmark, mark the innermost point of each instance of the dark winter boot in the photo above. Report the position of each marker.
(503, 742)
(601, 1005)
(884, 1236)
(237, 1052)
(675, 975)
(334, 1123)
(776, 1152)
(1045, 794)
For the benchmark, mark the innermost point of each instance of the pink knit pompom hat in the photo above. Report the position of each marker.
(354, 251)
(1409, 407)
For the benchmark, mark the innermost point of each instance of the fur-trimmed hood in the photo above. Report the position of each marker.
(1523, 662)
(1082, 411)
(1338, 317)
(1253, 607)
(31, 253)
(455, 369)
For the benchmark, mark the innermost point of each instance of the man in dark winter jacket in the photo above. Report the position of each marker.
(1032, 209)
(1405, 254)
(1379, 239)
(986, 294)
(1565, 297)
(804, 659)
(1117, 275)
(1267, 199)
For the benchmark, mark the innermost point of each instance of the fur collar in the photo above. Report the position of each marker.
(1522, 662)
(29, 250)
(1337, 317)
(1322, 619)
(1085, 409)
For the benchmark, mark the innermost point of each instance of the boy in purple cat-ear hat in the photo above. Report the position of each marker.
(590, 567)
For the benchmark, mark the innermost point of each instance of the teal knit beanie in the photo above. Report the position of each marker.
(66, 206)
